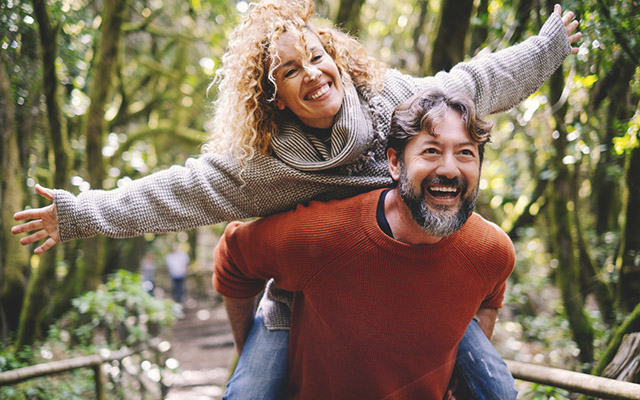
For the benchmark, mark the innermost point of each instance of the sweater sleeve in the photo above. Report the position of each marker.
(500, 80)
(206, 190)
(281, 246)
(503, 255)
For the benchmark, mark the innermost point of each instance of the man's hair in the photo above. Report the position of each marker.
(428, 108)
(245, 116)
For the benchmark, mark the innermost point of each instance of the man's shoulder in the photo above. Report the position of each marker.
(317, 217)
(484, 234)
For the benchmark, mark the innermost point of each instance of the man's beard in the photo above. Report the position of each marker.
(441, 222)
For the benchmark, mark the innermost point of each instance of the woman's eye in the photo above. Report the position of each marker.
(316, 58)
(431, 151)
(290, 72)
(467, 153)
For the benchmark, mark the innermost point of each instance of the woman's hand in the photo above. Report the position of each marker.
(45, 223)
(570, 25)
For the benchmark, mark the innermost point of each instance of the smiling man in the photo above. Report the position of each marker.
(387, 282)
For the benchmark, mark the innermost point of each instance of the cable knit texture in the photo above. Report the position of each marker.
(211, 189)
(372, 317)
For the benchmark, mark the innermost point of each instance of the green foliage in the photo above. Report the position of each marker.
(542, 392)
(121, 310)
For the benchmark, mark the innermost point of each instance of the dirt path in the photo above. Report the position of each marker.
(203, 345)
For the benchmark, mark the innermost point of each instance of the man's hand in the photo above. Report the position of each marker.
(570, 25)
(487, 320)
(241, 313)
(45, 223)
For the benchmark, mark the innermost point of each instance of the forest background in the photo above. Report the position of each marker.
(96, 93)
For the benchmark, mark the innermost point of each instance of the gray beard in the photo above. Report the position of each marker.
(438, 224)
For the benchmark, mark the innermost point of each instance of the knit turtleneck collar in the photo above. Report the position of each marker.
(351, 135)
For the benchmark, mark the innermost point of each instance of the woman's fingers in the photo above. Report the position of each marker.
(28, 227)
(44, 192)
(34, 237)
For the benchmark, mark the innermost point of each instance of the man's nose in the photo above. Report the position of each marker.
(447, 166)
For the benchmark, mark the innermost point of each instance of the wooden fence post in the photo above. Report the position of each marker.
(99, 379)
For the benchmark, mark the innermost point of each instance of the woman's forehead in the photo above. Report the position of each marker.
(296, 41)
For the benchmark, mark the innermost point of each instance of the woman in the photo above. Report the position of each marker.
(302, 114)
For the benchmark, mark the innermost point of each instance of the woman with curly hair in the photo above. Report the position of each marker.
(302, 113)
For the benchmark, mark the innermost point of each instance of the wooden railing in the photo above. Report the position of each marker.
(94, 362)
(573, 381)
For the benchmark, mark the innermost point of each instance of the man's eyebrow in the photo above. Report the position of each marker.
(434, 140)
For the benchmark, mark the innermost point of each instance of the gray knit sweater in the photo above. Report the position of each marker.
(210, 188)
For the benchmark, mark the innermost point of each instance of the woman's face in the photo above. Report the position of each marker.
(311, 89)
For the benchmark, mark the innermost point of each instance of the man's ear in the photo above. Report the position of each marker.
(394, 164)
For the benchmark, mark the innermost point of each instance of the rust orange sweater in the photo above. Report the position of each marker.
(372, 317)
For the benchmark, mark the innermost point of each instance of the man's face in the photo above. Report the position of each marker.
(438, 176)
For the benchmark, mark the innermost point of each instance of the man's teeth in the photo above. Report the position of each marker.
(444, 189)
(319, 93)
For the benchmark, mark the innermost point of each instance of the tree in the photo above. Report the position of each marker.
(34, 315)
(448, 46)
(14, 259)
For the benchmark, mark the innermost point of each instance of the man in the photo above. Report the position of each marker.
(385, 282)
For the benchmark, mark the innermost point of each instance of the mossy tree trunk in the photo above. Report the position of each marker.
(629, 259)
(480, 31)
(14, 258)
(615, 87)
(448, 47)
(523, 13)
(34, 316)
(420, 38)
(101, 86)
(563, 232)
(348, 17)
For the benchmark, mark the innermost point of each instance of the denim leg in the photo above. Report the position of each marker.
(261, 373)
(485, 373)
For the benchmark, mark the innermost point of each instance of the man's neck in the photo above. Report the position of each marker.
(405, 229)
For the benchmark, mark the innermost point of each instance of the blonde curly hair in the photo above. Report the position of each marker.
(244, 119)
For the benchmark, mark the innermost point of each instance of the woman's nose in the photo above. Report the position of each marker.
(312, 74)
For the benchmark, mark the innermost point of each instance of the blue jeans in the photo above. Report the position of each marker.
(177, 289)
(262, 368)
(486, 375)
(261, 373)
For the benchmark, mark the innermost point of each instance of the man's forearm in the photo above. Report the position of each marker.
(241, 314)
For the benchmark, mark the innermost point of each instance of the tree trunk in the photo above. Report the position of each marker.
(522, 18)
(348, 17)
(625, 366)
(480, 32)
(617, 337)
(628, 262)
(14, 258)
(107, 50)
(448, 47)
(615, 86)
(561, 222)
(419, 37)
(35, 311)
